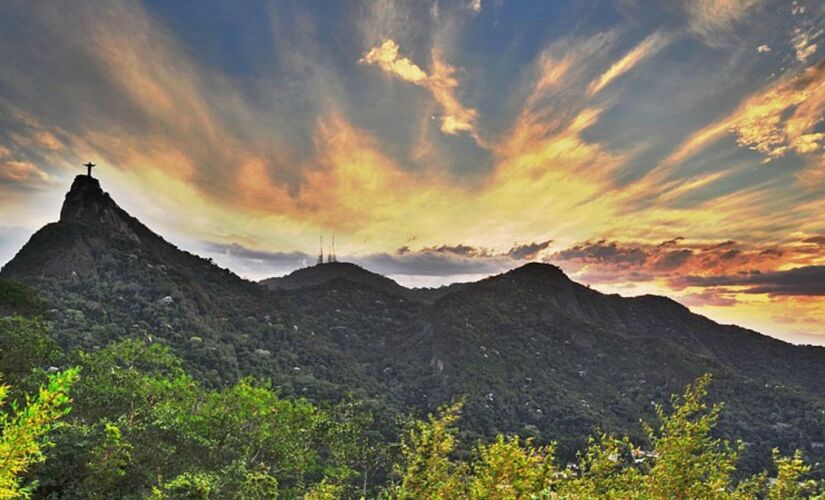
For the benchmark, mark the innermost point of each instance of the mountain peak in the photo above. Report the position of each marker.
(539, 271)
(85, 201)
(329, 271)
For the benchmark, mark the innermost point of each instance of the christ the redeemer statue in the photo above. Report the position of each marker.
(89, 167)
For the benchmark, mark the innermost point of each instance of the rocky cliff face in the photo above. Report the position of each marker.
(87, 203)
(84, 200)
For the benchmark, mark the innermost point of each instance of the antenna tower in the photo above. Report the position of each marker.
(321, 253)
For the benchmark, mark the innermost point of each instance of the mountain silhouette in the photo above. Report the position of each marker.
(321, 274)
(531, 351)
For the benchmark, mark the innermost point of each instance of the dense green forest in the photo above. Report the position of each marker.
(127, 421)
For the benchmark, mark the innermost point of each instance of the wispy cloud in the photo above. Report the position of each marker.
(782, 118)
(646, 48)
(440, 82)
(21, 172)
(713, 20)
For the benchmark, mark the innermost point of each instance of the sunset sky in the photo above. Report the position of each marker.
(675, 148)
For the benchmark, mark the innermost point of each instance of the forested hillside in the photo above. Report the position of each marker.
(530, 352)
(127, 421)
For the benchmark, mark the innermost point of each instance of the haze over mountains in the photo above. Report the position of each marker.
(531, 351)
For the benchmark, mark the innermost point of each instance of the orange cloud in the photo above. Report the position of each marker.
(441, 83)
(803, 45)
(784, 117)
(38, 138)
(535, 146)
(359, 183)
(778, 120)
(22, 172)
(675, 258)
(387, 58)
(552, 72)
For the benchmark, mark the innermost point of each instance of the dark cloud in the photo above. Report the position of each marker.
(425, 263)
(254, 264)
(528, 251)
(448, 260)
(672, 242)
(682, 264)
(719, 246)
(806, 280)
(460, 249)
(673, 260)
(603, 252)
(241, 252)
